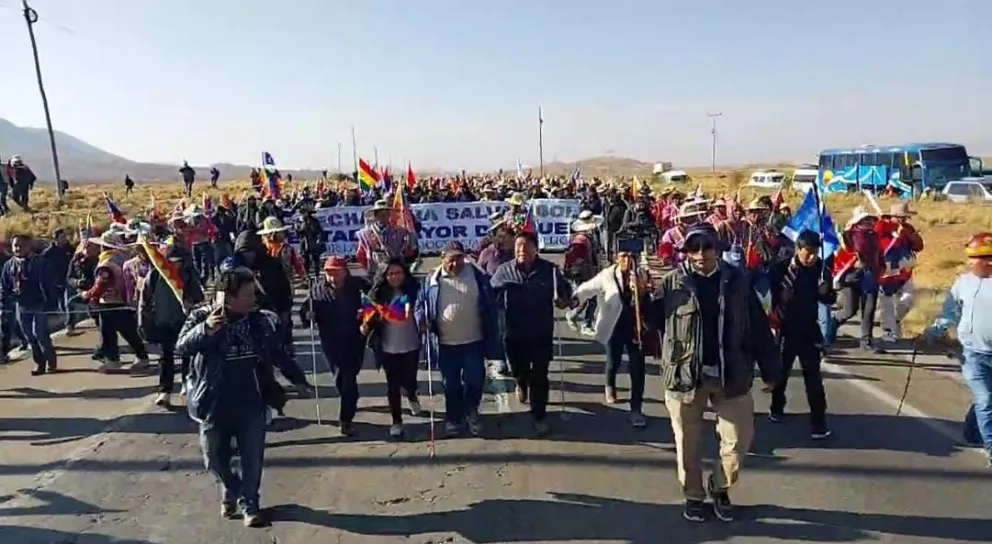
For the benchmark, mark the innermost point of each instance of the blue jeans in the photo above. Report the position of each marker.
(977, 372)
(824, 319)
(463, 375)
(34, 327)
(635, 367)
(215, 443)
(75, 309)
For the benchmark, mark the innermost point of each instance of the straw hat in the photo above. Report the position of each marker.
(756, 205)
(586, 222)
(109, 240)
(517, 199)
(271, 225)
(693, 208)
(860, 213)
(900, 209)
(380, 205)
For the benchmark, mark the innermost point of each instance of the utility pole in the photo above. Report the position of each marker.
(375, 153)
(339, 157)
(31, 17)
(713, 117)
(540, 139)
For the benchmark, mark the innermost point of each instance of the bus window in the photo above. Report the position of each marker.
(825, 162)
(885, 158)
(944, 154)
(916, 173)
(867, 159)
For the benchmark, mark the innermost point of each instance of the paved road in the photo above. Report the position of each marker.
(85, 458)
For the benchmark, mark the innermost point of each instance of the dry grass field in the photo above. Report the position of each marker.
(945, 226)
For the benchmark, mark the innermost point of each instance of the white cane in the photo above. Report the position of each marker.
(313, 358)
(430, 398)
(563, 414)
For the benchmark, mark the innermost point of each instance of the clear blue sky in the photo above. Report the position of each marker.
(457, 83)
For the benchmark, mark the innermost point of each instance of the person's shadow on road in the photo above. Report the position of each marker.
(576, 518)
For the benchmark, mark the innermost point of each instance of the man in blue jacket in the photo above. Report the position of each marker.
(27, 292)
(459, 313)
(232, 384)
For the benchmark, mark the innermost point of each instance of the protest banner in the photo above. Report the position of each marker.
(441, 222)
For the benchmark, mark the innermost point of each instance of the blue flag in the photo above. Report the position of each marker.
(806, 217)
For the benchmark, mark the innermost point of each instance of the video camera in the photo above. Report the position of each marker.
(629, 242)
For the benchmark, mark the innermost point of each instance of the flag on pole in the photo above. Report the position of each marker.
(273, 183)
(167, 270)
(411, 178)
(368, 178)
(115, 213)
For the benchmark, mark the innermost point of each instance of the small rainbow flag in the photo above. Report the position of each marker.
(396, 311)
(368, 178)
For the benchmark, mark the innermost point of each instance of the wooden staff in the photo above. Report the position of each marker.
(637, 308)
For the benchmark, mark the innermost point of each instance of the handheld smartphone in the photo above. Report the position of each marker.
(221, 300)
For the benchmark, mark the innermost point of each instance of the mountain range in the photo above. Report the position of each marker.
(83, 163)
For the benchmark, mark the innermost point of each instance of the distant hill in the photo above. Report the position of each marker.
(81, 162)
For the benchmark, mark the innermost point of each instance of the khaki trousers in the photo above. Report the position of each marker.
(735, 427)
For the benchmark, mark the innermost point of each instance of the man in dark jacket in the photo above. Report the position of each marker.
(232, 385)
(799, 285)
(189, 177)
(527, 289)
(162, 316)
(714, 330)
(333, 305)
(22, 180)
(26, 291)
(274, 293)
(58, 255)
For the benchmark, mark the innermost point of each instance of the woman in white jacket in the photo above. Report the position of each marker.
(615, 326)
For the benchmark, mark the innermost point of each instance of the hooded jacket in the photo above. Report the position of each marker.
(277, 293)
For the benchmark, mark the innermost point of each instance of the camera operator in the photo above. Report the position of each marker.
(622, 296)
(639, 220)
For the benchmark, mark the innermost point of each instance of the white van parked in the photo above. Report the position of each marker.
(769, 179)
(804, 178)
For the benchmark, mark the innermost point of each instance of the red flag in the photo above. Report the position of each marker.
(411, 179)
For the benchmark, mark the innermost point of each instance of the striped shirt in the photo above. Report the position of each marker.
(382, 243)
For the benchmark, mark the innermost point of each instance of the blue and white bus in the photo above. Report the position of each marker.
(910, 168)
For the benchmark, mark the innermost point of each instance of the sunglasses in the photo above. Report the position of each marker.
(698, 247)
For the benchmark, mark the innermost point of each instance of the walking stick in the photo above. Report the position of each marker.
(313, 357)
(430, 399)
(562, 413)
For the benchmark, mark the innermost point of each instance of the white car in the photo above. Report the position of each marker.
(766, 180)
(968, 190)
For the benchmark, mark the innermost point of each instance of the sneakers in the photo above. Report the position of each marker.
(572, 321)
(396, 430)
(776, 417)
(347, 429)
(108, 365)
(541, 428)
(474, 424)
(870, 347)
(723, 509)
(38, 370)
(228, 510)
(414, 406)
(638, 420)
(694, 511)
(141, 364)
(452, 429)
(164, 400)
(252, 519)
(819, 433)
(587, 331)
(610, 395)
